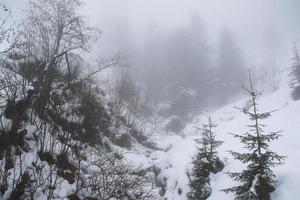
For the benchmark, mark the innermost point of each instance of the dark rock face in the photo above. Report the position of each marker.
(179, 191)
(124, 141)
(66, 169)
(46, 156)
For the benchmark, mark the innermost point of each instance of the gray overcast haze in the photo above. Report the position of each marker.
(249, 20)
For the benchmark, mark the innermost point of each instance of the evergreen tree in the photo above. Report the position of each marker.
(205, 162)
(295, 74)
(258, 179)
(231, 72)
(188, 68)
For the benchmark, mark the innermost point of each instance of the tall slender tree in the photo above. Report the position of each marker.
(231, 71)
(205, 162)
(257, 180)
(295, 74)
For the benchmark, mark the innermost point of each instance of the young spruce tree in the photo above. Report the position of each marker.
(205, 162)
(295, 74)
(258, 179)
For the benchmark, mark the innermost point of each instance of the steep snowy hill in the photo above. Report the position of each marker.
(174, 162)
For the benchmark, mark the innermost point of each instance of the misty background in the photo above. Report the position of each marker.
(195, 54)
(127, 99)
(186, 56)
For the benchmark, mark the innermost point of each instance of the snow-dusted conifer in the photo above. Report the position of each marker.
(257, 181)
(205, 162)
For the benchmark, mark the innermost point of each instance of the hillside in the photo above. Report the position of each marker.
(175, 160)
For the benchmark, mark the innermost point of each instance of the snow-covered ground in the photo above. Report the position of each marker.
(175, 159)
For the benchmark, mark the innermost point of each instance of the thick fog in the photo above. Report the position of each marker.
(127, 23)
(251, 22)
(192, 52)
(197, 52)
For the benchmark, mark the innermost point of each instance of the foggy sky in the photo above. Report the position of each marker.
(249, 20)
(137, 20)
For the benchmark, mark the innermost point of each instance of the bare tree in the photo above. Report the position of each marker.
(7, 33)
(110, 178)
(54, 28)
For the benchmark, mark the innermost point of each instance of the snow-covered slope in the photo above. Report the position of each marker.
(175, 160)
